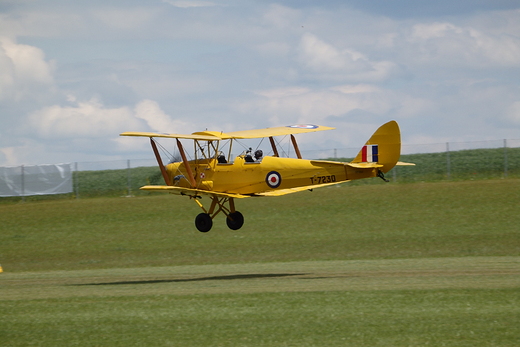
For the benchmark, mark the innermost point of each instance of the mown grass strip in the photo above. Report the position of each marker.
(450, 302)
(385, 274)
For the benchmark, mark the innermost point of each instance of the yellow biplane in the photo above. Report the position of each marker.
(214, 173)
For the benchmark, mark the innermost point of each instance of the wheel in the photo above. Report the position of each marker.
(203, 222)
(235, 220)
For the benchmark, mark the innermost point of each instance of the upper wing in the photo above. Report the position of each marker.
(245, 134)
(276, 131)
(192, 192)
(173, 136)
(280, 192)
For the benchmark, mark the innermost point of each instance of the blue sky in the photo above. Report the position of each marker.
(74, 74)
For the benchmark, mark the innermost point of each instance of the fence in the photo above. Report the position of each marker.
(35, 180)
(447, 161)
(441, 161)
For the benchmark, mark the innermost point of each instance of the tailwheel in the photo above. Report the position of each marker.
(235, 220)
(203, 222)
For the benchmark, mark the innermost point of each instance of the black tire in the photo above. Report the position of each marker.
(235, 220)
(203, 222)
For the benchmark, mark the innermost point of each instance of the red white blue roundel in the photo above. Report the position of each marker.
(273, 179)
(303, 126)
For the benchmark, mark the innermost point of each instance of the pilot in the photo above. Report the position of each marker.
(258, 155)
(248, 157)
(221, 158)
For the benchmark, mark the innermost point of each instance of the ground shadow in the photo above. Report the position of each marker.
(211, 278)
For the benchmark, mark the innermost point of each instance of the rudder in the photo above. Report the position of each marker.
(383, 147)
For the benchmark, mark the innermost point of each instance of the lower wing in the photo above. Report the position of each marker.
(197, 192)
(280, 192)
(191, 192)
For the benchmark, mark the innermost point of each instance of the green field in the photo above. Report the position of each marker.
(360, 265)
(476, 164)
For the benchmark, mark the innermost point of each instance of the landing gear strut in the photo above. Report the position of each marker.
(204, 221)
(381, 175)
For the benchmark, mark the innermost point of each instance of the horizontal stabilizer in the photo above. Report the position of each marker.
(400, 163)
(342, 163)
(353, 165)
(364, 165)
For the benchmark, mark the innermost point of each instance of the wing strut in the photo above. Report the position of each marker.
(159, 161)
(186, 165)
(273, 146)
(296, 149)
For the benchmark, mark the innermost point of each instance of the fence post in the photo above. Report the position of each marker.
(76, 180)
(505, 158)
(23, 182)
(448, 163)
(128, 177)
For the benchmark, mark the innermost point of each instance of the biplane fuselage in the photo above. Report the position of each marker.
(248, 178)
(214, 172)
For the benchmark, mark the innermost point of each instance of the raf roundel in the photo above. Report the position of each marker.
(273, 179)
(303, 126)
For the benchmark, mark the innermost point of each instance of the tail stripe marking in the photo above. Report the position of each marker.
(370, 154)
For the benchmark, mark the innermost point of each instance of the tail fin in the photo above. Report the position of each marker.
(383, 148)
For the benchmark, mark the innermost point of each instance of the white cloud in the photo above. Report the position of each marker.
(353, 89)
(283, 92)
(355, 109)
(45, 21)
(303, 105)
(513, 112)
(9, 156)
(413, 107)
(89, 119)
(276, 49)
(449, 44)
(320, 56)
(131, 19)
(188, 3)
(23, 70)
(157, 120)
(282, 17)
(434, 30)
(248, 64)
(328, 62)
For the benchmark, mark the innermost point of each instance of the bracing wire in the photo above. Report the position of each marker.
(280, 147)
(164, 150)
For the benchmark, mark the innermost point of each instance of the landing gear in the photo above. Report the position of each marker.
(381, 175)
(204, 221)
(235, 220)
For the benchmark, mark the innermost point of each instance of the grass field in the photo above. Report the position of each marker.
(371, 265)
